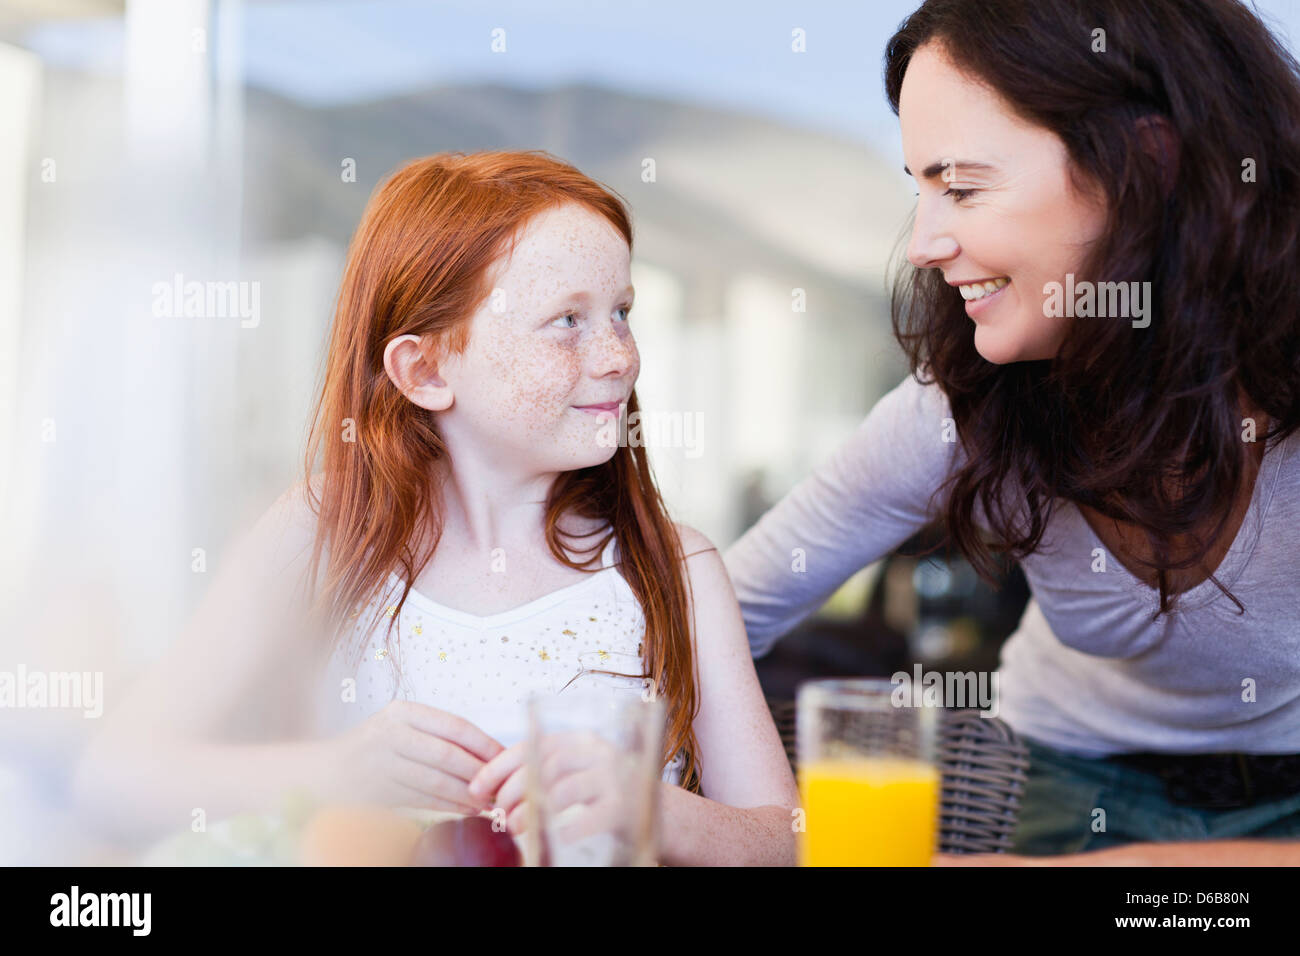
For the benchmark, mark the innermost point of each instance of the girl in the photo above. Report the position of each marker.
(474, 535)
(1142, 468)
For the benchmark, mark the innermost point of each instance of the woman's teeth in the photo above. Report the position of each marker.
(978, 290)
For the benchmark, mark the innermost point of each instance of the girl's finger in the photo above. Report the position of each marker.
(437, 785)
(601, 816)
(437, 752)
(513, 791)
(566, 760)
(583, 786)
(414, 797)
(487, 781)
(457, 730)
(517, 821)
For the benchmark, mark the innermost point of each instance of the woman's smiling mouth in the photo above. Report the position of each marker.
(980, 294)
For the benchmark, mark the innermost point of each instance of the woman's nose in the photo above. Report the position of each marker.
(930, 243)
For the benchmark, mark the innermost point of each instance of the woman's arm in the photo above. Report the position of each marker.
(1209, 853)
(745, 816)
(869, 497)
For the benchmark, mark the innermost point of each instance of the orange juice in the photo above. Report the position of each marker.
(868, 811)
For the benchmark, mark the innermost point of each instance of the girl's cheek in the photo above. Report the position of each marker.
(548, 372)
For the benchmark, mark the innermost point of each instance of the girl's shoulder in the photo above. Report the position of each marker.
(693, 542)
(289, 526)
(277, 549)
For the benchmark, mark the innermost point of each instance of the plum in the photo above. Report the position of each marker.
(469, 841)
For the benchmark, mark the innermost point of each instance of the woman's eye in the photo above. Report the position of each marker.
(626, 310)
(960, 194)
(569, 319)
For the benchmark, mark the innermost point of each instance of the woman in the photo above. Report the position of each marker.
(1132, 446)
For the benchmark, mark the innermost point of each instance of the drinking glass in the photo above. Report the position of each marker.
(589, 742)
(867, 774)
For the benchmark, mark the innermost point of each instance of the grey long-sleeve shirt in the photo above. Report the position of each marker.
(1087, 670)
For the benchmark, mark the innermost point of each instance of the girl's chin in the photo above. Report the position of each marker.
(587, 450)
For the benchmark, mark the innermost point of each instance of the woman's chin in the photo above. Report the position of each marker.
(995, 346)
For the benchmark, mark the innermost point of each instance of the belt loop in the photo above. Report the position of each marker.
(1247, 784)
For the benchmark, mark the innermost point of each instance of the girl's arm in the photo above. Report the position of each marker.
(746, 814)
(236, 672)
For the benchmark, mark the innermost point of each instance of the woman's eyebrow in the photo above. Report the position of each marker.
(935, 170)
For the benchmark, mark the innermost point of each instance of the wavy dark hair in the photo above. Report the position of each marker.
(1141, 424)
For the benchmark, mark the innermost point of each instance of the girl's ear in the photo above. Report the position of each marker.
(416, 376)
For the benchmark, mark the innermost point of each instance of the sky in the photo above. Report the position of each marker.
(731, 54)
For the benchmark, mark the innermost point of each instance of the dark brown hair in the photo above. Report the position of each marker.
(420, 263)
(1142, 424)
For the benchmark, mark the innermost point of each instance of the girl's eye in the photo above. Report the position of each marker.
(572, 321)
(626, 310)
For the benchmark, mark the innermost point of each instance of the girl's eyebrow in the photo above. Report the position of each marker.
(583, 296)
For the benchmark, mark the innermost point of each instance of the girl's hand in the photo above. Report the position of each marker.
(502, 783)
(408, 755)
(579, 769)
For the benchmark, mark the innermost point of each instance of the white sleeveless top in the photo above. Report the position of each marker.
(484, 668)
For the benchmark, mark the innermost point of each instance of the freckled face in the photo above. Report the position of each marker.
(553, 336)
(1005, 209)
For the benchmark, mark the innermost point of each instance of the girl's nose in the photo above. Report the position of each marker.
(612, 352)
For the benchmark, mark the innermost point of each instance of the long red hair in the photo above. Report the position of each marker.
(420, 264)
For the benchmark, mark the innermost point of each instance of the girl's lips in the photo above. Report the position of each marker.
(609, 408)
(975, 307)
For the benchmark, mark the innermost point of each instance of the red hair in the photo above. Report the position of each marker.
(420, 264)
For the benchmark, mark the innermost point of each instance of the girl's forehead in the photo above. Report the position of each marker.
(570, 231)
(567, 244)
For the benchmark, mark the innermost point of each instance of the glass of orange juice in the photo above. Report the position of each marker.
(867, 774)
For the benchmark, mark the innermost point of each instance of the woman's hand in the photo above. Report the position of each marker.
(1245, 852)
(991, 859)
(408, 755)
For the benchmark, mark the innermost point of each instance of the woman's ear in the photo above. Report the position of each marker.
(1160, 142)
(415, 375)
